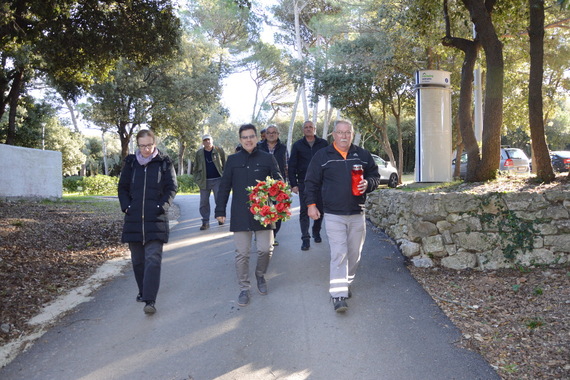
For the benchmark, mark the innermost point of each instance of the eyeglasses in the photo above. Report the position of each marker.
(271, 133)
(146, 146)
(344, 133)
(250, 137)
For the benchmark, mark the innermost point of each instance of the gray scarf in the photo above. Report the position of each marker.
(144, 161)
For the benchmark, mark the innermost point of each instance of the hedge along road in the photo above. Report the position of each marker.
(392, 330)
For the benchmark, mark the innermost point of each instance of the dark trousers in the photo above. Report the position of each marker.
(304, 220)
(147, 261)
(212, 185)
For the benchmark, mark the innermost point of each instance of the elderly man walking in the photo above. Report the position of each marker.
(330, 174)
(208, 169)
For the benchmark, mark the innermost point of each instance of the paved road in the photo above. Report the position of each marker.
(392, 330)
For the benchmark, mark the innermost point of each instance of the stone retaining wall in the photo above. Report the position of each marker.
(461, 230)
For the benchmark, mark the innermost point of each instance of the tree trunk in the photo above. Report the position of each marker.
(540, 155)
(104, 146)
(125, 135)
(465, 111)
(396, 107)
(72, 113)
(13, 98)
(493, 104)
(181, 152)
(292, 123)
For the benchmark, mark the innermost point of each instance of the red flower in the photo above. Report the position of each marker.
(270, 201)
(282, 197)
(274, 190)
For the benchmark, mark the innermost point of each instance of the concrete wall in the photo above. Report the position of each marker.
(29, 173)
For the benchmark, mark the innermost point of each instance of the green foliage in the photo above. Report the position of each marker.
(534, 323)
(69, 143)
(100, 185)
(186, 184)
(73, 184)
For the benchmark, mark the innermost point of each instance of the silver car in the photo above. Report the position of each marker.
(513, 161)
(388, 173)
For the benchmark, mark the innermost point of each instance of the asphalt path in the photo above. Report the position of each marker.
(392, 330)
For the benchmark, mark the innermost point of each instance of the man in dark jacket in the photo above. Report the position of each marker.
(273, 145)
(244, 169)
(146, 189)
(330, 174)
(302, 152)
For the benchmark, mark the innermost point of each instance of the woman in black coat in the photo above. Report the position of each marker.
(147, 187)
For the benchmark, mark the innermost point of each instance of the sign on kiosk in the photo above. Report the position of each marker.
(433, 78)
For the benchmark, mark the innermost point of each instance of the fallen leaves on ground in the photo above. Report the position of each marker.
(48, 248)
(518, 320)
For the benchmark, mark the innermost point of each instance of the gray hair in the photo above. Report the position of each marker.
(344, 121)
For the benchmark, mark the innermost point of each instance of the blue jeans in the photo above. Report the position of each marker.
(211, 185)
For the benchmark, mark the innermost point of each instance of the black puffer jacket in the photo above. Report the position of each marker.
(145, 194)
(241, 171)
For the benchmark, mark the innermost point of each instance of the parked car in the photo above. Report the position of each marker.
(560, 160)
(513, 161)
(388, 173)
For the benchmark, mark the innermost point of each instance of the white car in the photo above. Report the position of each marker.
(388, 173)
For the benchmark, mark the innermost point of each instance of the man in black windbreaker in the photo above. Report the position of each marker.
(330, 174)
(147, 187)
(302, 152)
(244, 169)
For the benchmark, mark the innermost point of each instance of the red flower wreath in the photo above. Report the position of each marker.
(270, 201)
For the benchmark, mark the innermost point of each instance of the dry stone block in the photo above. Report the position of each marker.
(461, 260)
(409, 249)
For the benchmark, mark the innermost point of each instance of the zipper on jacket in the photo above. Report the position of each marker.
(143, 201)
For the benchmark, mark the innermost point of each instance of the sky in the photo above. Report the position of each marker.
(238, 96)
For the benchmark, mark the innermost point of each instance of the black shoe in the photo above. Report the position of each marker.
(139, 297)
(306, 245)
(149, 308)
(261, 285)
(340, 305)
(243, 298)
(220, 223)
(317, 238)
(275, 243)
(205, 226)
